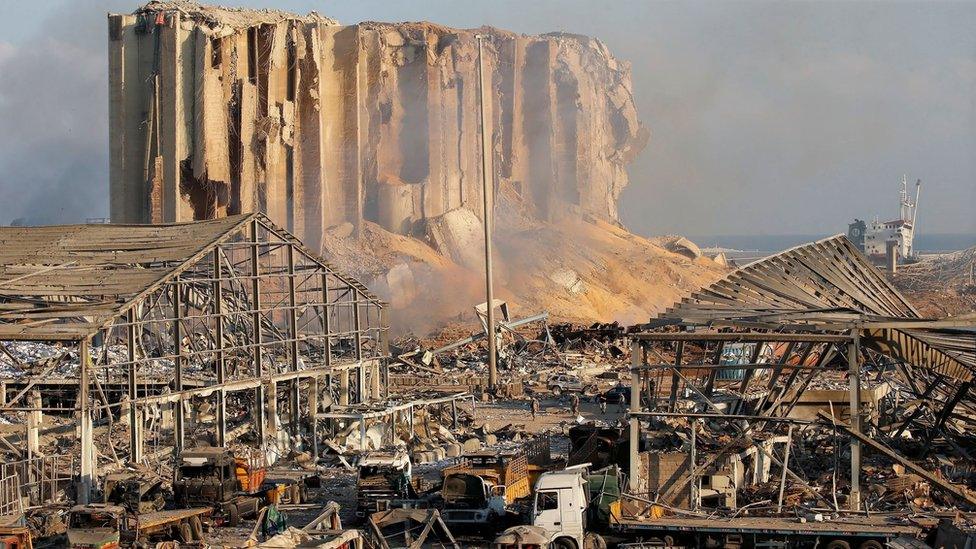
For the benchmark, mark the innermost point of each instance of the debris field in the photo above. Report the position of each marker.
(802, 390)
(282, 340)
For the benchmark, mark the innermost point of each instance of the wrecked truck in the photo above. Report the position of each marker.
(484, 487)
(471, 499)
(234, 487)
(383, 478)
(136, 491)
(132, 512)
(107, 526)
(567, 505)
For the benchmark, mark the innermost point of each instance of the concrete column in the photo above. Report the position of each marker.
(362, 394)
(272, 407)
(854, 374)
(375, 381)
(87, 473)
(891, 255)
(362, 432)
(135, 433)
(294, 412)
(313, 412)
(168, 413)
(635, 382)
(34, 418)
(411, 411)
(344, 387)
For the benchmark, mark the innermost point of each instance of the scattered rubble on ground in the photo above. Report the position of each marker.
(733, 406)
(941, 285)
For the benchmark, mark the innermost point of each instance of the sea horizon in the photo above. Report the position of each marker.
(924, 243)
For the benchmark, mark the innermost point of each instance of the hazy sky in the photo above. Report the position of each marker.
(766, 118)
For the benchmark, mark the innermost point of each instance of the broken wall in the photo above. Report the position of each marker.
(216, 111)
(661, 472)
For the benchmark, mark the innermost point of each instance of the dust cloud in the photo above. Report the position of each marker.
(54, 116)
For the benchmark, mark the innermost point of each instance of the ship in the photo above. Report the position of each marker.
(873, 238)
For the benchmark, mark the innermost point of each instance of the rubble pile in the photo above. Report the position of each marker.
(941, 285)
(29, 358)
(737, 480)
(529, 357)
(737, 471)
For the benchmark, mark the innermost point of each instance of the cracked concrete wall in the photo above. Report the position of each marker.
(217, 111)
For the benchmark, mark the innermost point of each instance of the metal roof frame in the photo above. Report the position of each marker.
(65, 283)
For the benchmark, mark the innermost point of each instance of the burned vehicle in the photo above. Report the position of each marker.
(483, 486)
(136, 492)
(469, 498)
(234, 486)
(383, 478)
(214, 477)
(105, 526)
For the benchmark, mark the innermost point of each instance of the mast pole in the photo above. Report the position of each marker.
(486, 195)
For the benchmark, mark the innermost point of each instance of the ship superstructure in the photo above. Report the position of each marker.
(873, 238)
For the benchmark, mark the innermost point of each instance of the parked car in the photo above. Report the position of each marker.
(613, 394)
(564, 383)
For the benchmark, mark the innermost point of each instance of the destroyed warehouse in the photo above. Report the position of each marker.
(217, 367)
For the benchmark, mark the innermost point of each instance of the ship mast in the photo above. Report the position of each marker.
(906, 212)
(918, 191)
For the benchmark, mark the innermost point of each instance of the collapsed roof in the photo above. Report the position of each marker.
(828, 285)
(65, 283)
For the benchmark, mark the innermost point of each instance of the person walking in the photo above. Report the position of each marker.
(535, 407)
(603, 404)
(621, 404)
(574, 404)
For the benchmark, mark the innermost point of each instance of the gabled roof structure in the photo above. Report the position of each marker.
(67, 282)
(829, 285)
(219, 310)
(752, 344)
(822, 282)
(64, 282)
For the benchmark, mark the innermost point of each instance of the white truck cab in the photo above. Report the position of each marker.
(559, 506)
(559, 510)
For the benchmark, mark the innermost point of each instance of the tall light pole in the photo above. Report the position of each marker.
(486, 195)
